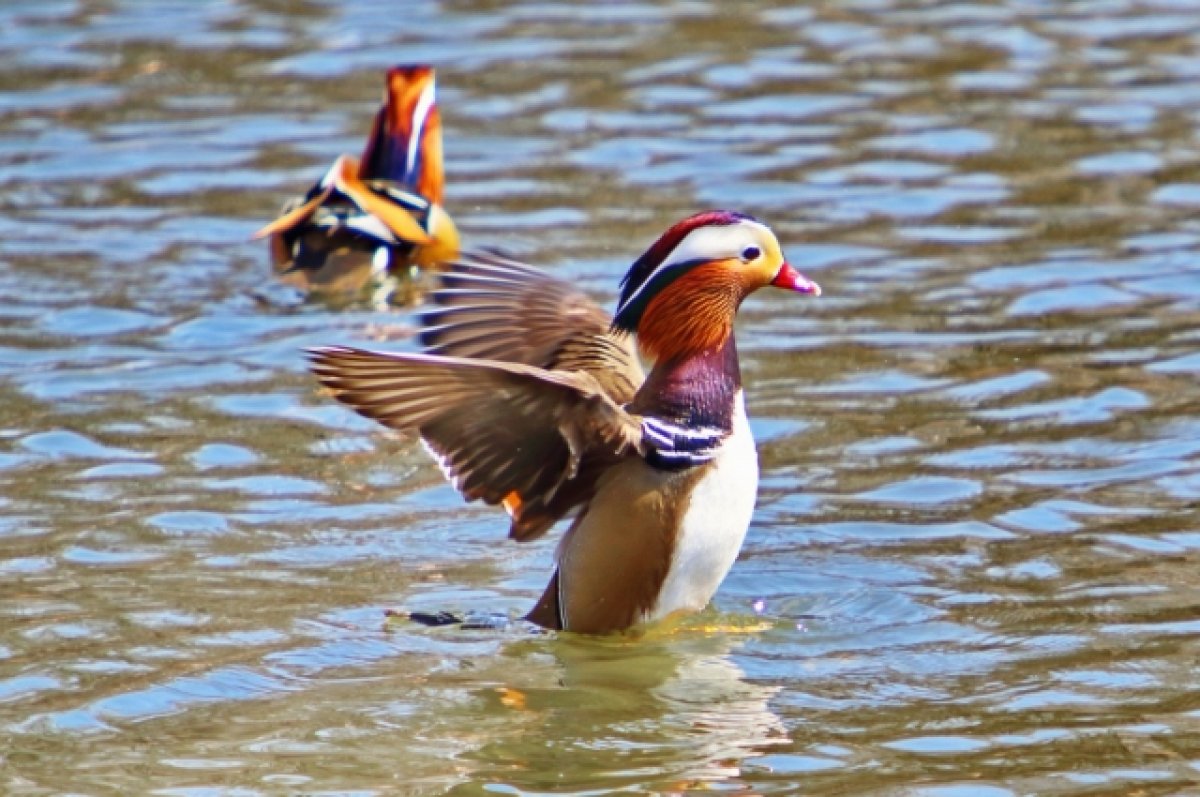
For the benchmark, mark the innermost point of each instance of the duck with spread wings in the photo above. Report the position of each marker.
(531, 397)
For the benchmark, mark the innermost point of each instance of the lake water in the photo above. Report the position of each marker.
(973, 569)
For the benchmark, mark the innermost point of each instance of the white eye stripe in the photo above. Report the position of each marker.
(420, 114)
(714, 242)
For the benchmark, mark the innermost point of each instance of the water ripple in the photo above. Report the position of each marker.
(971, 570)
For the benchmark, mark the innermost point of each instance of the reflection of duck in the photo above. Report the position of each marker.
(379, 215)
(663, 715)
(531, 397)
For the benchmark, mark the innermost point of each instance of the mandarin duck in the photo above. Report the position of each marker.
(531, 397)
(375, 217)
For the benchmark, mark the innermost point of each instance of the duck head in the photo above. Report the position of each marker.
(680, 297)
(405, 144)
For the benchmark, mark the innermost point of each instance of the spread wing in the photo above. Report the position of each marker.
(495, 308)
(504, 433)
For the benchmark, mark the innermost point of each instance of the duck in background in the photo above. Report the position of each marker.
(370, 222)
(531, 397)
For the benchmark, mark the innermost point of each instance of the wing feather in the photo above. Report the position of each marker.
(493, 307)
(496, 428)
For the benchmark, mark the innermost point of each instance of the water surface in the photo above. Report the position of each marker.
(973, 567)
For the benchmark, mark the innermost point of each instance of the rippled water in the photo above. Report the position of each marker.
(977, 542)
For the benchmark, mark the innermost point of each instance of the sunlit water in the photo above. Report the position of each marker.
(973, 570)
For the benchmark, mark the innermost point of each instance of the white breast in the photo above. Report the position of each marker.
(714, 524)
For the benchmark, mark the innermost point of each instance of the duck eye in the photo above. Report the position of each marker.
(751, 253)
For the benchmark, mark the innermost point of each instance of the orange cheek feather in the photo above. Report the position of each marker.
(692, 314)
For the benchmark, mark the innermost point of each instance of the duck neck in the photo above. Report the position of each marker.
(695, 390)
